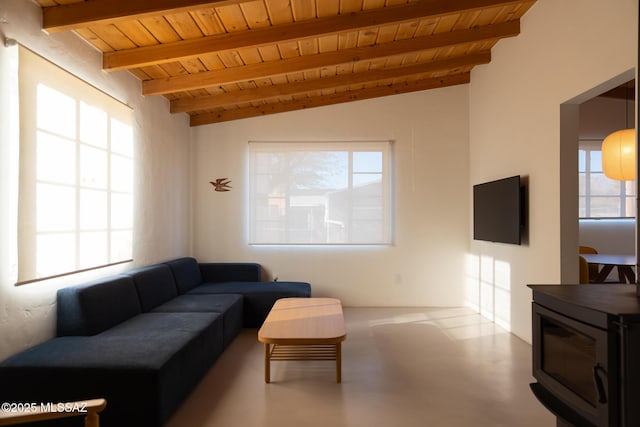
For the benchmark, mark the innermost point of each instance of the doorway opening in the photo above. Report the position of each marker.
(588, 213)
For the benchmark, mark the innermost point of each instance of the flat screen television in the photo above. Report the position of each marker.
(498, 211)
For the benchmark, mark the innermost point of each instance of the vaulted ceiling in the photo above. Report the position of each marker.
(221, 60)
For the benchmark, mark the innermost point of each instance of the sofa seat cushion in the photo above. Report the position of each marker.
(144, 367)
(150, 340)
(259, 297)
(154, 328)
(228, 305)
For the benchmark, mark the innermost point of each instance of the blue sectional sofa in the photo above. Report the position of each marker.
(142, 339)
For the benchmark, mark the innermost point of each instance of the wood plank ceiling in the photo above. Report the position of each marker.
(221, 60)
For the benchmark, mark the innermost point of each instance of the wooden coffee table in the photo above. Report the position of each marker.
(303, 329)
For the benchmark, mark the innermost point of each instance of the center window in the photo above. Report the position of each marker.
(320, 193)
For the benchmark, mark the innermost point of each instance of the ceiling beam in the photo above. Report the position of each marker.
(102, 12)
(357, 21)
(309, 62)
(337, 98)
(345, 80)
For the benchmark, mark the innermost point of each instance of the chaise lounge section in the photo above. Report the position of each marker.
(143, 339)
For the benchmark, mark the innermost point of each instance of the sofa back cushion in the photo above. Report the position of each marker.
(93, 307)
(155, 285)
(186, 273)
(215, 272)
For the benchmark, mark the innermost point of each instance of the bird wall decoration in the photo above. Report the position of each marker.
(221, 184)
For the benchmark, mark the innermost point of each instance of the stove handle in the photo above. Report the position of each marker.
(602, 394)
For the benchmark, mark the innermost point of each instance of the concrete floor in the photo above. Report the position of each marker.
(401, 367)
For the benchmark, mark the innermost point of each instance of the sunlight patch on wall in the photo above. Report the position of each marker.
(502, 294)
(471, 288)
(488, 288)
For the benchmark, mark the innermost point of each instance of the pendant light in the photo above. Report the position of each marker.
(619, 150)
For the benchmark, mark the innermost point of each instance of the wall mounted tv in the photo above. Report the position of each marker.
(498, 211)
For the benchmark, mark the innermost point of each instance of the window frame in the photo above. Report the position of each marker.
(624, 197)
(385, 147)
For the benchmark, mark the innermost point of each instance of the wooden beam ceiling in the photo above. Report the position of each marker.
(324, 100)
(360, 21)
(102, 12)
(308, 62)
(297, 88)
(220, 60)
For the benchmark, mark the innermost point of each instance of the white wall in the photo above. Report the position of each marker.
(601, 115)
(565, 48)
(162, 219)
(609, 236)
(425, 265)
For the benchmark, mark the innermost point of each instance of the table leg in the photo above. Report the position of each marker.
(603, 273)
(267, 363)
(626, 274)
(339, 362)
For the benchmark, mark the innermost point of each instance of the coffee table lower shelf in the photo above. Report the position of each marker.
(302, 352)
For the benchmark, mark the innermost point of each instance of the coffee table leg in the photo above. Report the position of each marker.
(267, 363)
(339, 362)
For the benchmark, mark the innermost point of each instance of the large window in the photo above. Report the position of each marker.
(601, 197)
(320, 193)
(76, 174)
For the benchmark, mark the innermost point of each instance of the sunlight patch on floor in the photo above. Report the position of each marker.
(458, 323)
